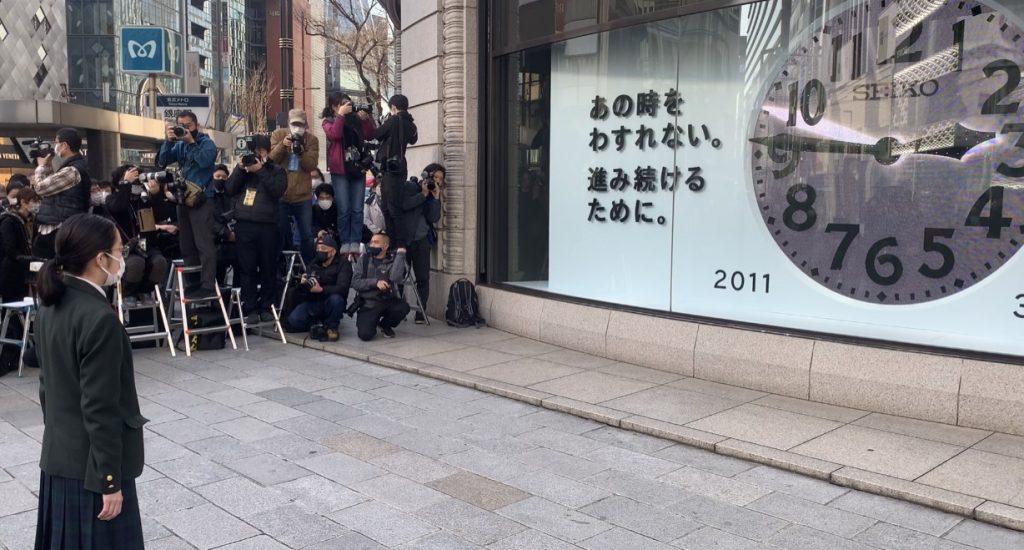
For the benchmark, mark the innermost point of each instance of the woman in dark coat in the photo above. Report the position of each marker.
(16, 246)
(92, 438)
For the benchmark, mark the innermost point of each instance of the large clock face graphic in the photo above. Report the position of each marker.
(888, 153)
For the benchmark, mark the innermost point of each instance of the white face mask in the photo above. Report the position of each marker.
(97, 199)
(325, 204)
(297, 129)
(113, 277)
(13, 201)
(317, 181)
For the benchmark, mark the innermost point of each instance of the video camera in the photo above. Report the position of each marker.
(40, 148)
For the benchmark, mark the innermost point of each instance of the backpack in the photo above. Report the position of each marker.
(463, 309)
(203, 316)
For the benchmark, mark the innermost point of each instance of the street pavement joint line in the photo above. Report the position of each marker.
(869, 488)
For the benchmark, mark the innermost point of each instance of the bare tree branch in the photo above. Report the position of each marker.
(362, 35)
(252, 99)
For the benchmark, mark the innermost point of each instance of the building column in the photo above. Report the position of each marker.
(104, 153)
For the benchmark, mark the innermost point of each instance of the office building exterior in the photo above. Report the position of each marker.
(813, 199)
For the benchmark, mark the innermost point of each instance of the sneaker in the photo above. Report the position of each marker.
(131, 301)
(147, 300)
(252, 319)
(420, 319)
(332, 335)
(266, 317)
(388, 332)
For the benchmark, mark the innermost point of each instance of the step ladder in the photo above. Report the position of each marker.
(145, 333)
(410, 284)
(178, 295)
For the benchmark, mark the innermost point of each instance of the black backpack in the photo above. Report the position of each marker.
(463, 309)
(203, 316)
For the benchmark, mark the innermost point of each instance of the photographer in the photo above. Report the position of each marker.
(421, 209)
(99, 191)
(256, 186)
(376, 277)
(15, 239)
(347, 129)
(322, 291)
(224, 228)
(63, 193)
(195, 154)
(325, 211)
(395, 135)
(298, 151)
(132, 206)
(16, 254)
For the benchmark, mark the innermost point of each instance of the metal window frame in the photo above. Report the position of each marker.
(487, 234)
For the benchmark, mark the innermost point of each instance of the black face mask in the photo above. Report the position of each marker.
(321, 257)
(195, 134)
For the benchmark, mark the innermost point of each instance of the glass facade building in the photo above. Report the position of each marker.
(841, 168)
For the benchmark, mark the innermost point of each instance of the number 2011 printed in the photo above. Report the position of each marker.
(738, 281)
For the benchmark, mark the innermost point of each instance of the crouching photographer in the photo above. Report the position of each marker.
(133, 206)
(321, 294)
(378, 272)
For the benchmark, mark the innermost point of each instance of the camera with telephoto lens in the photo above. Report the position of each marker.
(40, 149)
(172, 179)
(362, 107)
(297, 147)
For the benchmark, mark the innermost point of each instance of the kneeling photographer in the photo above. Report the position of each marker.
(376, 277)
(133, 206)
(256, 186)
(321, 294)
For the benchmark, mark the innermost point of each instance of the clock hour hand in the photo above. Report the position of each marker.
(882, 151)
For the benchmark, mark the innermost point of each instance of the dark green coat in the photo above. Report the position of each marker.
(93, 428)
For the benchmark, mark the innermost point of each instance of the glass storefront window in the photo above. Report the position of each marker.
(854, 168)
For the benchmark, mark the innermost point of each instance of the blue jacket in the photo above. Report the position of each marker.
(195, 160)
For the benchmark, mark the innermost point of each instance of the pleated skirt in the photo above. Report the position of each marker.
(67, 517)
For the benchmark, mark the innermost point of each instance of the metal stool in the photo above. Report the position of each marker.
(138, 334)
(26, 311)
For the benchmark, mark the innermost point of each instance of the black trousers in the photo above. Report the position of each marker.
(418, 254)
(386, 314)
(196, 239)
(391, 184)
(142, 274)
(257, 246)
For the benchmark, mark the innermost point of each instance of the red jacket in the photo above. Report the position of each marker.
(334, 129)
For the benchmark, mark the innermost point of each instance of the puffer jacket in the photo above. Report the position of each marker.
(264, 189)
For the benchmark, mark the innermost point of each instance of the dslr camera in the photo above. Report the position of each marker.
(429, 178)
(297, 147)
(39, 148)
(248, 160)
(179, 132)
(309, 283)
(173, 180)
(362, 107)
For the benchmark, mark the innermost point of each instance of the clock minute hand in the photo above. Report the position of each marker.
(952, 142)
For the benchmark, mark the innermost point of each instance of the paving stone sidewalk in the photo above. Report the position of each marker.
(285, 447)
(975, 473)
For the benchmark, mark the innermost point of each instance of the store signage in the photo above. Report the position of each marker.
(151, 50)
(868, 180)
(170, 105)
